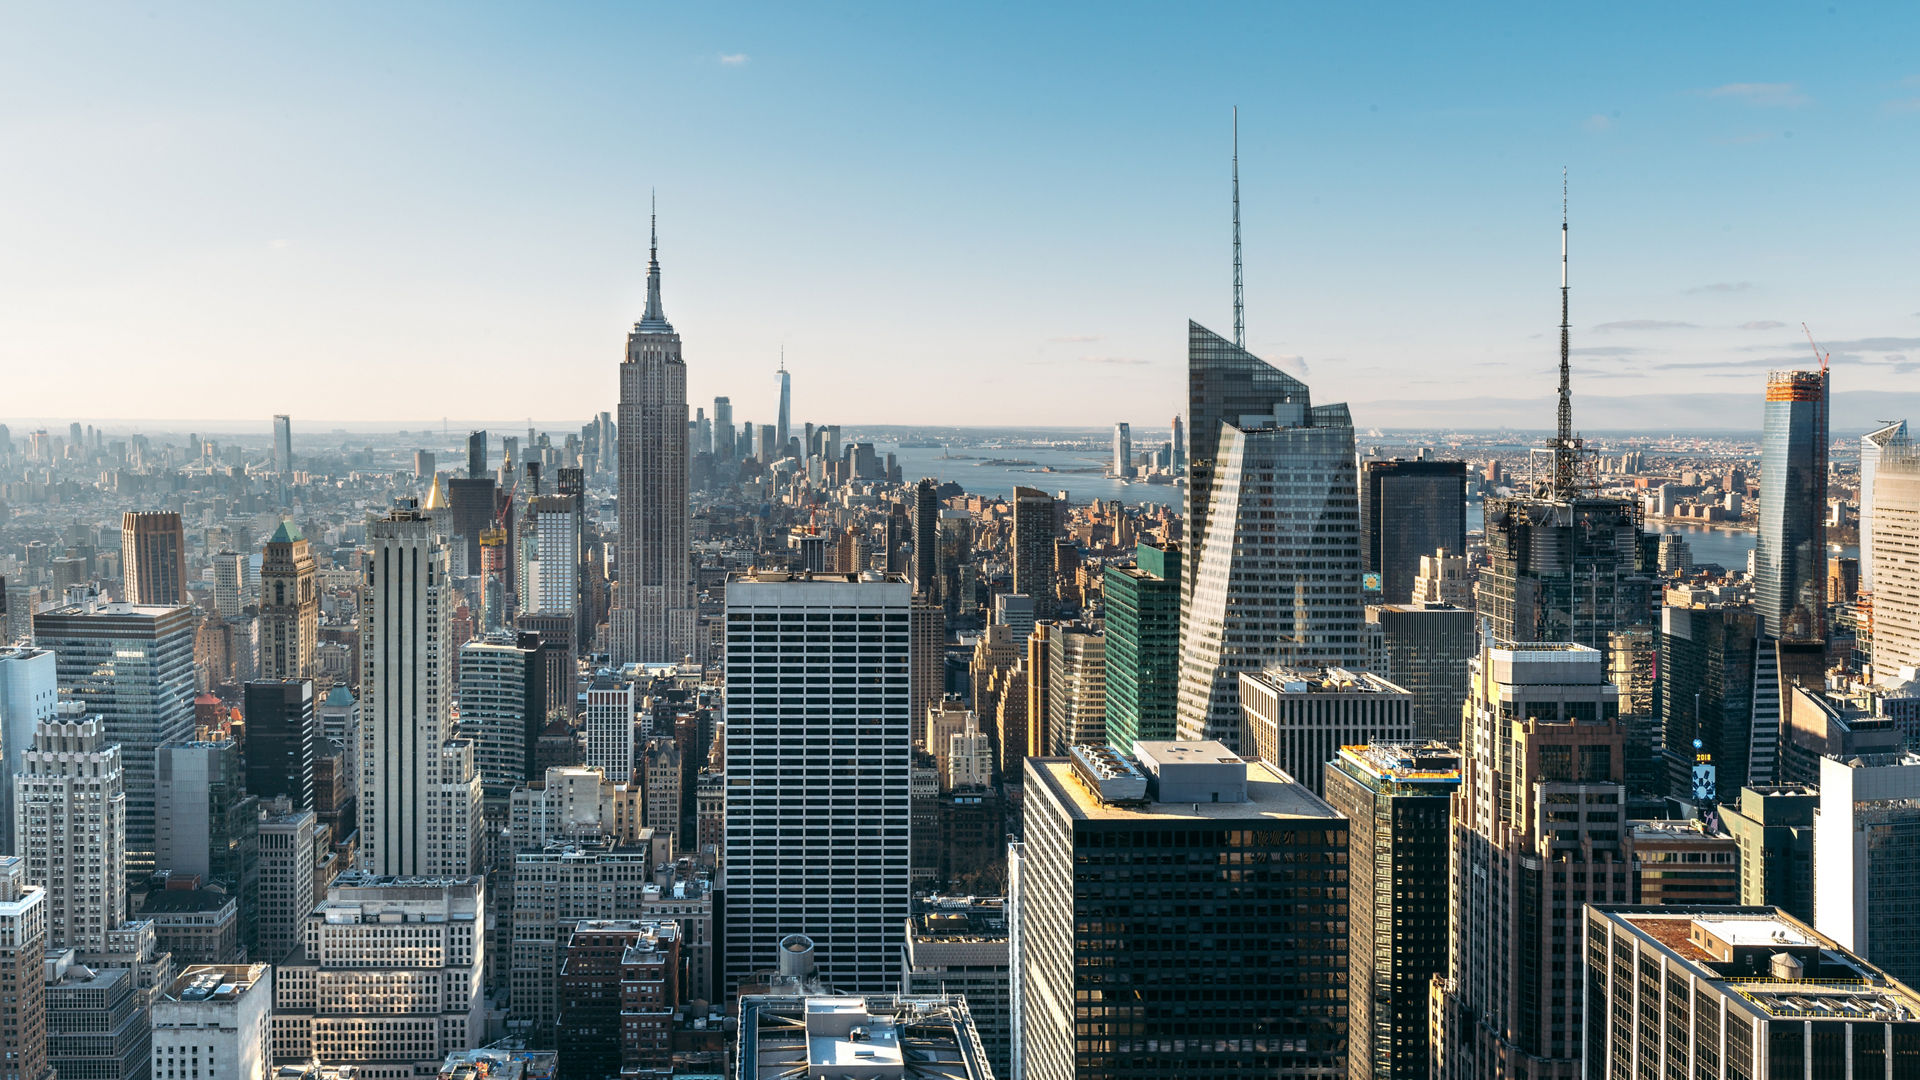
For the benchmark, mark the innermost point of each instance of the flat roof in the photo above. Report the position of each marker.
(1270, 796)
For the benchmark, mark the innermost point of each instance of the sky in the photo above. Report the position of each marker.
(958, 214)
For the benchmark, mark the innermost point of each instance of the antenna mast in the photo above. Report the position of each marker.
(1239, 298)
(1566, 448)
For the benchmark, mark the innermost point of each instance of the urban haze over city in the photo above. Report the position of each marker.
(615, 541)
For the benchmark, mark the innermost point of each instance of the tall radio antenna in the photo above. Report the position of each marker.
(1239, 297)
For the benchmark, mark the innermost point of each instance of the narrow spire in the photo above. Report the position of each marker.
(655, 317)
(1239, 299)
(1566, 448)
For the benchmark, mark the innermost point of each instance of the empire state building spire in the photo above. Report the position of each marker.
(655, 318)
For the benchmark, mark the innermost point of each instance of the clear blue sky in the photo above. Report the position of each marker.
(960, 213)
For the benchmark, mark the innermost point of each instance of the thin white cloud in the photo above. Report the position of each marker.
(1072, 339)
(737, 59)
(1903, 105)
(1762, 324)
(1778, 95)
(1599, 122)
(1644, 324)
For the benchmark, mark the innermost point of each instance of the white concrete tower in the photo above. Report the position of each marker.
(419, 791)
(70, 824)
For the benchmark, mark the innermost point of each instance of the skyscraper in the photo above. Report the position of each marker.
(653, 615)
(1424, 648)
(1537, 832)
(783, 429)
(23, 947)
(476, 454)
(1235, 962)
(724, 433)
(1143, 646)
(1033, 535)
(1076, 688)
(1866, 850)
(1397, 800)
(282, 445)
(1790, 563)
(29, 690)
(819, 749)
(1179, 444)
(209, 825)
(503, 709)
(283, 739)
(1297, 721)
(1409, 509)
(70, 824)
(1122, 450)
(1708, 650)
(1871, 445)
(419, 798)
(1559, 560)
(1724, 991)
(229, 584)
(1893, 536)
(153, 557)
(289, 607)
(550, 556)
(1276, 577)
(133, 666)
(926, 543)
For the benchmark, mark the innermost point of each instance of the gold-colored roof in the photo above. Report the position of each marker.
(436, 496)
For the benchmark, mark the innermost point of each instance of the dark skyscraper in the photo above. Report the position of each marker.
(283, 737)
(153, 557)
(1396, 799)
(926, 542)
(1219, 906)
(1790, 583)
(1033, 555)
(1559, 561)
(1708, 650)
(476, 453)
(1409, 509)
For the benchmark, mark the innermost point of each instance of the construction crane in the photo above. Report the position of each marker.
(1817, 354)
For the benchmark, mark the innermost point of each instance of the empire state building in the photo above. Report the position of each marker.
(653, 615)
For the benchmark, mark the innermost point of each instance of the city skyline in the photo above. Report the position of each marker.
(456, 217)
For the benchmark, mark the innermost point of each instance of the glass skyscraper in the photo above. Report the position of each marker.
(1790, 578)
(1276, 569)
(1143, 646)
(1409, 509)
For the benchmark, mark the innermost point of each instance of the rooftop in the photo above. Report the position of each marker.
(1331, 680)
(1269, 796)
(1430, 762)
(216, 982)
(1779, 965)
(878, 1037)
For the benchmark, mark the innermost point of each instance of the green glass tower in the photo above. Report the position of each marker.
(1143, 646)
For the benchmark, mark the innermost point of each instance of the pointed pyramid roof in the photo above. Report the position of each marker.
(436, 496)
(287, 533)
